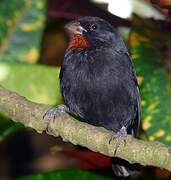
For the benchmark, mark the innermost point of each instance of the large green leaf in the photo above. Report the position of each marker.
(21, 29)
(155, 81)
(9, 14)
(38, 83)
(72, 174)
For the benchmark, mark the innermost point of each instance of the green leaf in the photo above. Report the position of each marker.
(71, 174)
(22, 24)
(9, 14)
(38, 83)
(155, 81)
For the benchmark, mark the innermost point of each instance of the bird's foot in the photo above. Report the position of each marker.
(120, 137)
(53, 113)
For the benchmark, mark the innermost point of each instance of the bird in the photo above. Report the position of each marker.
(98, 82)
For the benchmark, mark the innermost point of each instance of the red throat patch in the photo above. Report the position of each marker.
(78, 41)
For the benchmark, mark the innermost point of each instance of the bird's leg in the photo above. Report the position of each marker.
(54, 112)
(120, 137)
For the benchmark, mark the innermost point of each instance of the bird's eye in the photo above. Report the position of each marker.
(93, 27)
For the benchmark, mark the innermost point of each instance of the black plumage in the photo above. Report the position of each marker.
(98, 81)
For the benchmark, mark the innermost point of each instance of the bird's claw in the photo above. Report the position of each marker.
(120, 137)
(53, 113)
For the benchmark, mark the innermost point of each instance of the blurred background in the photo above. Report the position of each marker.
(32, 45)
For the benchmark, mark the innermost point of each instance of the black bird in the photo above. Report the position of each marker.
(98, 81)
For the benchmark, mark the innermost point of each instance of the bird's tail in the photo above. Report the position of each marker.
(123, 168)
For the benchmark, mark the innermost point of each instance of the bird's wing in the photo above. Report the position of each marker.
(138, 115)
(136, 124)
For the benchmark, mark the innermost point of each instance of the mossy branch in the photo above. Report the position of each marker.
(97, 139)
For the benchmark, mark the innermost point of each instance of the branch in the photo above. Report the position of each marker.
(97, 139)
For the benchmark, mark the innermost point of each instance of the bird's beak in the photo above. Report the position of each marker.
(74, 27)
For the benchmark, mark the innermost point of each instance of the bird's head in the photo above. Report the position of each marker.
(87, 32)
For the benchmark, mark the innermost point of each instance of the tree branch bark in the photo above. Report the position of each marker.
(97, 139)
